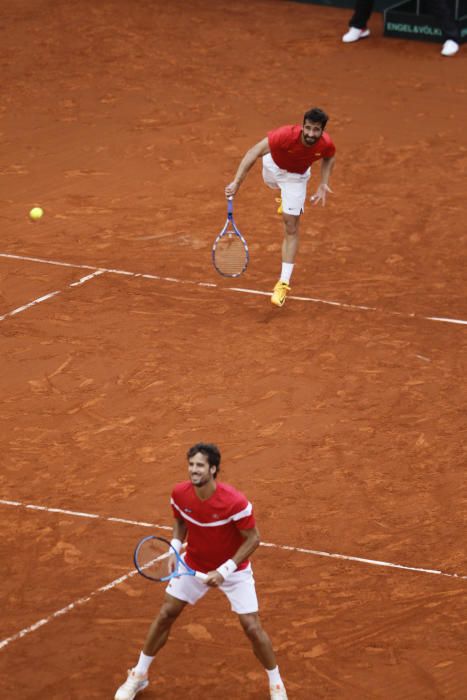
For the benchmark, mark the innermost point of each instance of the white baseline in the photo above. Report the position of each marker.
(342, 305)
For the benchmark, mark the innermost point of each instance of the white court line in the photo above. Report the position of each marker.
(157, 526)
(68, 608)
(28, 306)
(315, 300)
(107, 587)
(50, 295)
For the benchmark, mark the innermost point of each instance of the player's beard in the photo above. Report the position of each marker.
(199, 480)
(310, 140)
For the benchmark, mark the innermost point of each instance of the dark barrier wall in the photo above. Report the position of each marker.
(407, 19)
(380, 5)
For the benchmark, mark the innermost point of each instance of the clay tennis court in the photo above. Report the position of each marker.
(341, 416)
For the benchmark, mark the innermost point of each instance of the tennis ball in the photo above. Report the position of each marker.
(36, 213)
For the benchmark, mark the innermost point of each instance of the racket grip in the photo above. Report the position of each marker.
(200, 575)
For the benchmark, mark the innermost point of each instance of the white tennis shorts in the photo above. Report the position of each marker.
(291, 185)
(239, 589)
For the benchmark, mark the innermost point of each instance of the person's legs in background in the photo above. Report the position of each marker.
(357, 24)
(444, 14)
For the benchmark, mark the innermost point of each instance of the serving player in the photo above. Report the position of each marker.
(288, 153)
(218, 524)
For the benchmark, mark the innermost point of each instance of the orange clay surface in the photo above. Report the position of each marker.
(344, 426)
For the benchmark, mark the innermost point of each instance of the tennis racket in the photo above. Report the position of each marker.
(230, 254)
(151, 559)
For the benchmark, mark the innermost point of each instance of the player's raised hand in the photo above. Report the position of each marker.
(320, 195)
(231, 189)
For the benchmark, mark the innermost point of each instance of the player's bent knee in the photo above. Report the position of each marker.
(170, 610)
(255, 633)
(251, 626)
(291, 227)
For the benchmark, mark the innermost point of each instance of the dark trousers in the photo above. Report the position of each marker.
(438, 8)
(361, 15)
(445, 16)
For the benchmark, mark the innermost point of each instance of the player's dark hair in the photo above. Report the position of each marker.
(209, 450)
(317, 116)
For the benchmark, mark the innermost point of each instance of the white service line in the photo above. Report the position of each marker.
(86, 278)
(243, 290)
(85, 599)
(362, 560)
(50, 295)
(157, 526)
(79, 514)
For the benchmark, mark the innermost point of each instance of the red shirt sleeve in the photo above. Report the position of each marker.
(175, 511)
(243, 516)
(246, 523)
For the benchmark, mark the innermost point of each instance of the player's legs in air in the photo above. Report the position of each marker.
(289, 251)
(293, 194)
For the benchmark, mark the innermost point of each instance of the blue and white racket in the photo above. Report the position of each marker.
(230, 254)
(151, 559)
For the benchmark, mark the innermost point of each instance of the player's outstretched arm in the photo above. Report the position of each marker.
(327, 166)
(249, 159)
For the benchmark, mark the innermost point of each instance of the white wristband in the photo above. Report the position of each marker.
(227, 568)
(176, 544)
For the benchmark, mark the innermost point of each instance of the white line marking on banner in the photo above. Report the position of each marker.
(243, 290)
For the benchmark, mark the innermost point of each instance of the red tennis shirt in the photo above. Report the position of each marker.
(289, 153)
(212, 525)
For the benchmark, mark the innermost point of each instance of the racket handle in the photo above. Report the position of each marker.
(230, 206)
(200, 575)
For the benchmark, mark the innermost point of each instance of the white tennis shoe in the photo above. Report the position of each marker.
(133, 684)
(354, 34)
(277, 692)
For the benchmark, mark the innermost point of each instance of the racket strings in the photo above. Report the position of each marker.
(230, 256)
(153, 558)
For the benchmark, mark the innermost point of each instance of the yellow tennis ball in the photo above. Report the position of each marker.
(36, 213)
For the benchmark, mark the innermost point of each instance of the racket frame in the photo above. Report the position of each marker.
(230, 228)
(186, 570)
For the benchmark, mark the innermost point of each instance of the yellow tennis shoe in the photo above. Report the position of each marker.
(280, 293)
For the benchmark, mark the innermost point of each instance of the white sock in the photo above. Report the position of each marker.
(274, 676)
(286, 272)
(144, 662)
